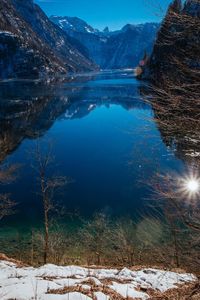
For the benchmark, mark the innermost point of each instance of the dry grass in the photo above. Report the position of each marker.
(89, 292)
(185, 292)
(18, 263)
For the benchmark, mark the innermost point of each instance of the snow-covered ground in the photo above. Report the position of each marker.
(77, 283)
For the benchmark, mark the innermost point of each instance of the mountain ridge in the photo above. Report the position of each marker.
(111, 49)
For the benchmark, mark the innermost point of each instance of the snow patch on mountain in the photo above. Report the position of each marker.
(73, 23)
(111, 49)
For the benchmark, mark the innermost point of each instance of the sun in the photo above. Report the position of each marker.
(192, 185)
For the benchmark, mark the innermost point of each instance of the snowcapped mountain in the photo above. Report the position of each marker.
(73, 23)
(111, 49)
(31, 46)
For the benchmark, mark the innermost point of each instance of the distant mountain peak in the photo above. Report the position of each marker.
(139, 26)
(73, 23)
(106, 29)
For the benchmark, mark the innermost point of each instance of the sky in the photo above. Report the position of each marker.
(112, 13)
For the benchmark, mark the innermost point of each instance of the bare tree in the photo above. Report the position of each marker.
(180, 212)
(49, 184)
(174, 95)
(97, 237)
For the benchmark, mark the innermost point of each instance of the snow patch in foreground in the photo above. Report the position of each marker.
(51, 282)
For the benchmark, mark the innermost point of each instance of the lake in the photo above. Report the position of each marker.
(103, 136)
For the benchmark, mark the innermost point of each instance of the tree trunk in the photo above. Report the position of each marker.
(46, 244)
(176, 251)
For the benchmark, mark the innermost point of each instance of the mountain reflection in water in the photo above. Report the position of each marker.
(29, 109)
(104, 136)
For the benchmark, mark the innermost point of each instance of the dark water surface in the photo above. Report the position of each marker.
(103, 136)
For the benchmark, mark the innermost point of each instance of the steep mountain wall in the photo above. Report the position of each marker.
(31, 46)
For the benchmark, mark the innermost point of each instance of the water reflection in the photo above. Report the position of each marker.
(93, 122)
(179, 127)
(98, 124)
(26, 110)
(29, 109)
(176, 114)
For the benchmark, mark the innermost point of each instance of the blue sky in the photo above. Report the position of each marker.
(112, 13)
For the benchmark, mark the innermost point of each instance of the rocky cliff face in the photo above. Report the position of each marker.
(127, 46)
(31, 46)
(111, 50)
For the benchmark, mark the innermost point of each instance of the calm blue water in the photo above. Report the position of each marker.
(103, 137)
